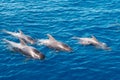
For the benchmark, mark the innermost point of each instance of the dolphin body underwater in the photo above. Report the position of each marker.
(93, 41)
(21, 35)
(28, 51)
(54, 44)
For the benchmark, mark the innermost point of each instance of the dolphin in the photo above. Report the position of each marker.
(21, 35)
(54, 44)
(28, 51)
(93, 41)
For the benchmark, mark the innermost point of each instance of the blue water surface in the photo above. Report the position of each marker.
(63, 19)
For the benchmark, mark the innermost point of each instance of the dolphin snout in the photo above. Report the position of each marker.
(42, 57)
(106, 48)
(32, 42)
(68, 49)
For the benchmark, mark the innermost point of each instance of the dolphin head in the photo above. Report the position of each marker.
(104, 46)
(30, 40)
(66, 47)
(37, 54)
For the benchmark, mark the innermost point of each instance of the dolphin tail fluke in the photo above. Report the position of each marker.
(6, 41)
(75, 38)
(5, 31)
(8, 32)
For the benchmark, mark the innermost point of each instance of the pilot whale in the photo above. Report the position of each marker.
(28, 51)
(21, 35)
(93, 41)
(54, 44)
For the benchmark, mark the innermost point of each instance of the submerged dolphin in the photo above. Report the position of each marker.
(54, 44)
(28, 51)
(93, 41)
(21, 35)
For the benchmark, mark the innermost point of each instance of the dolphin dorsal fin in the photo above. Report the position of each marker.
(22, 42)
(94, 38)
(51, 37)
(20, 32)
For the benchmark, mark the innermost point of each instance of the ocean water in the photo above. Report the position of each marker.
(63, 19)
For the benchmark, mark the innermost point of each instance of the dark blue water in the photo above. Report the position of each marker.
(63, 19)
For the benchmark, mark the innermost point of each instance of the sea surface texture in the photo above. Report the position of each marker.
(63, 19)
